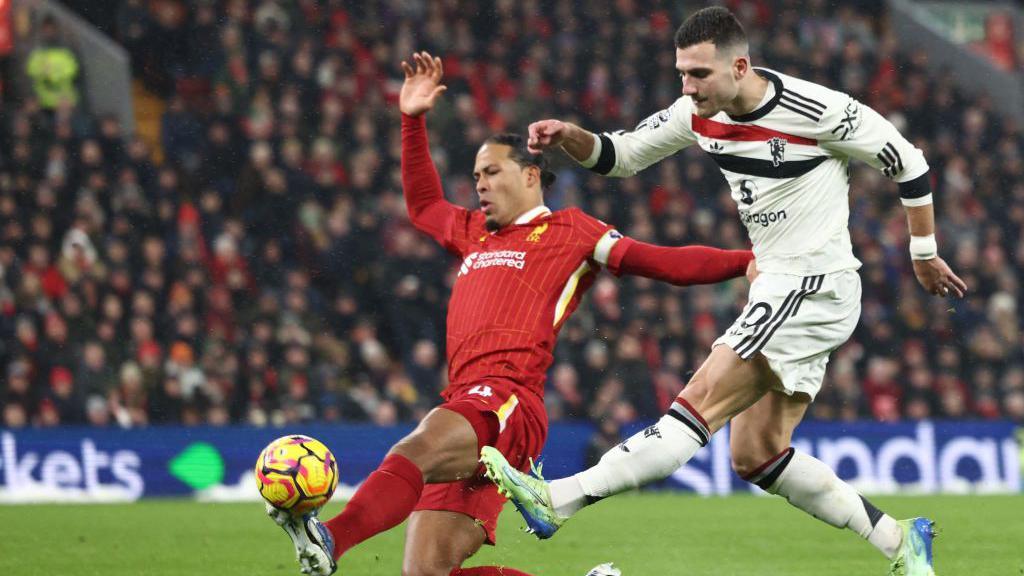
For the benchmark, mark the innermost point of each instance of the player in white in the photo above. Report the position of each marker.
(784, 145)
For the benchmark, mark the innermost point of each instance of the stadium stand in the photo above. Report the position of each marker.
(265, 271)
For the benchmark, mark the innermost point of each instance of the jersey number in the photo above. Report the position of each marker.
(484, 391)
(758, 314)
(747, 192)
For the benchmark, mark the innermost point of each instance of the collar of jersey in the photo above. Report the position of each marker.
(532, 214)
(769, 105)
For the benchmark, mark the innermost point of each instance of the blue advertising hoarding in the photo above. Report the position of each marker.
(88, 464)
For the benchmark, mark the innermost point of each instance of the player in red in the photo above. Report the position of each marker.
(524, 270)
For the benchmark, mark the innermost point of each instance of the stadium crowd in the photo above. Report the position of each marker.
(264, 271)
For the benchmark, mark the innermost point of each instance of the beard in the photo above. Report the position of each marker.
(491, 225)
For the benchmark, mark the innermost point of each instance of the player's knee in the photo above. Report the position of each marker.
(438, 461)
(418, 450)
(697, 388)
(746, 463)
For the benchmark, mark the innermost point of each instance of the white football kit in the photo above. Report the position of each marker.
(787, 167)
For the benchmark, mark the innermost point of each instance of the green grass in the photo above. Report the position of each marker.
(652, 534)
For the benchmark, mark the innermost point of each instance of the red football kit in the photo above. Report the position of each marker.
(515, 289)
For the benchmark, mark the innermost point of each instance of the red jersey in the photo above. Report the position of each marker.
(515, 289)
(517, 286)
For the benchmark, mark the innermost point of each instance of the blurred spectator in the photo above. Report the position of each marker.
(998, 43)
(265, 272)
(53, 68)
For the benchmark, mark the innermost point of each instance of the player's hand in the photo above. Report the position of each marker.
(937, 278)
(752, 270)
(545, 134)
(422, 84)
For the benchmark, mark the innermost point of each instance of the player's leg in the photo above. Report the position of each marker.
(428, 553)
(760, 440)
(761, 454)
(442, 448)
(724, 386)
(821, 321)
(452, 520)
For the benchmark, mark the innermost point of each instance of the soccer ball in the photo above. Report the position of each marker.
(297, 474)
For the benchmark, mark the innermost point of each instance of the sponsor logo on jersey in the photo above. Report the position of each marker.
(764, 219)
(777, 146)
(715, 147)
(851, 121)
(535, 235)
(655, 120)
(748, 192)
(508, 258)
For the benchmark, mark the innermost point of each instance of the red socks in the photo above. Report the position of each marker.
(384, 501)
(487, 571)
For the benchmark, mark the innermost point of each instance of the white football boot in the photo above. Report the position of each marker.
(314, 546)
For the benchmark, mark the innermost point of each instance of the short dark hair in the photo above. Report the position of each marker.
(520, 155)
(714, 24)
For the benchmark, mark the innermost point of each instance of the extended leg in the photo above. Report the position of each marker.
(724, 386)
(443, 448)
(761, 454)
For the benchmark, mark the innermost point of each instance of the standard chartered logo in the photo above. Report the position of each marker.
(199, 466)
(467, 264)
(477, 260)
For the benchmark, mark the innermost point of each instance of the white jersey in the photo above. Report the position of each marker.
(786, 164)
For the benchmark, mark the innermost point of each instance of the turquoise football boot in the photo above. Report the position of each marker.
(529, 493)
(914, 558)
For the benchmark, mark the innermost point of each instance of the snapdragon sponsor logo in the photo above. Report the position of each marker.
(88, 473)
(762, 219)
(479, 260)
(915, 462)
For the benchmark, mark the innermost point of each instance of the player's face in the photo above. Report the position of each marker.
(502, 185)
(708, 77)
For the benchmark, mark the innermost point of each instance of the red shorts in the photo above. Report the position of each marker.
(514, 423)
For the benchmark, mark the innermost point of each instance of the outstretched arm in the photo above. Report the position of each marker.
(576, 141)
(619, 154)
(679, 265)
(421, 184)
(859, 132)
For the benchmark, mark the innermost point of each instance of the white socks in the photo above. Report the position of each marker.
(649, 455)
(810, 485)
(659, 450)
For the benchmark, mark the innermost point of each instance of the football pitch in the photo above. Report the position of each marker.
(648, 534)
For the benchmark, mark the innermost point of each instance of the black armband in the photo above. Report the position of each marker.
(606, 159)
(917, 188)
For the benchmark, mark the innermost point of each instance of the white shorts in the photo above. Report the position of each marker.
(796, 322)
